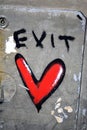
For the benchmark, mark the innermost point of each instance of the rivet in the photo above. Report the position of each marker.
(3, 22)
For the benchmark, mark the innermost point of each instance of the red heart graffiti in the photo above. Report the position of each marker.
(48, 83)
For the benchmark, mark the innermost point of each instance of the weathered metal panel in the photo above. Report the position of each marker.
(47, 34)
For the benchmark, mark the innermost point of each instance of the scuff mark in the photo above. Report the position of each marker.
(59, 100)
(82, 20)
(22, 86)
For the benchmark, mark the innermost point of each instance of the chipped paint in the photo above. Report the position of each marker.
(60, 113)
(78, 90)
(10, 45)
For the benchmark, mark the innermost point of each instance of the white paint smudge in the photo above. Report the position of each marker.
(10, 45)
(52, 112)
(79, 89)
(62, 55)
(59, 119)
(22, 86)
(86, 37)
(57, 106)
(59, 100)
(82, 48)
(69, 109)
(77, 77)
(60, 110)
(84, 112)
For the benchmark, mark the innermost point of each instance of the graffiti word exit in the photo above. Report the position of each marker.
(20, 40)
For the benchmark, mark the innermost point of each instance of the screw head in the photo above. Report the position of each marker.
(3, 22)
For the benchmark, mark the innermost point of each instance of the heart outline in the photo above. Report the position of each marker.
(24, 65)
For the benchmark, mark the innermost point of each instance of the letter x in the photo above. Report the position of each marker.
(39, 41)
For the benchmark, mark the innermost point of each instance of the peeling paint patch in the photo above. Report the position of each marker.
(10, 45)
